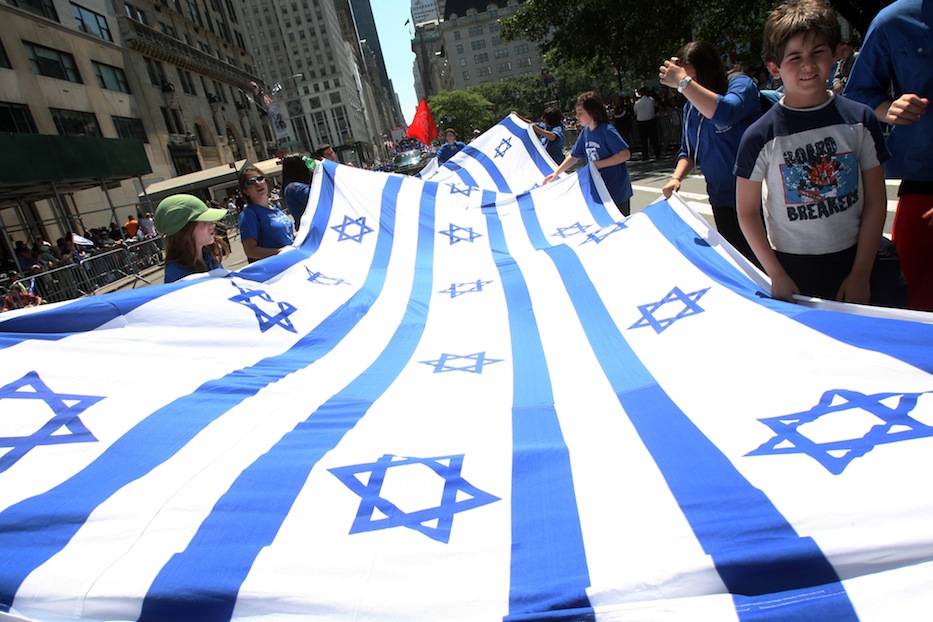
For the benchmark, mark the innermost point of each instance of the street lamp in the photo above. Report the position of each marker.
(278, 85)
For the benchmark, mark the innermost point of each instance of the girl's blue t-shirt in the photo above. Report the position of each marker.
(174, 271)
(598, 144)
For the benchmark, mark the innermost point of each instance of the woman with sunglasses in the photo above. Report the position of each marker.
(296, 184)
(265, 230)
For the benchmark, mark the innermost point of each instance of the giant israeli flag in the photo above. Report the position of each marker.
(467, 397)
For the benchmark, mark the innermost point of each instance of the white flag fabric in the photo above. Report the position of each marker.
(467, 397)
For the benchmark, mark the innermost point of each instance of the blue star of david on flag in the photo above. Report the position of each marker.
(458, 289)
(66, 409)
(266, 321)
(864, 421)
(574, 229)
(686, 305)
(376, 512)
(604, 232)
(504, 146)
(473, 362)
(362, 229)
(320, 279)
(455, 189)
(453, 232)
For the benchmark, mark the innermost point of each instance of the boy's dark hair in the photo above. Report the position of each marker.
(794, 17)
(319, 154)
(294, 169)
(552, 117)
(594, 106)
(705, 58)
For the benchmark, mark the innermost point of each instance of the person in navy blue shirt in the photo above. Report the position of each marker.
(719, 108)
(265, 230)
(450, 148)
(600, 143)
(296, 184)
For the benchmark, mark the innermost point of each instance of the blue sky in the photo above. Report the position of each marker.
(395, 39)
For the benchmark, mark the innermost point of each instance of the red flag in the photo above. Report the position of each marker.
(423, 126)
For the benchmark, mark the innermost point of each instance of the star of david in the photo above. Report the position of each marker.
(454, 189)
(677, 297)
(347, 221)
(66, 410)
(574, 229)
(474, 363)
(453, 234)
(604, 232)
(458, 289)
(504, 146)
(882, 423)
(320, 279)
(266, 321)
(376, 512)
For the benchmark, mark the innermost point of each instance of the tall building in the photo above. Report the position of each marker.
(475, 52)
(100, 98)
(457, 45)
(332, 95)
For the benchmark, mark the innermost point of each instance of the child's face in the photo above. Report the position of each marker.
(583, 117)
(808, 59)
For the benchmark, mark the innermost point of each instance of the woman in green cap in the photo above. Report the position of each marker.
(188, 226)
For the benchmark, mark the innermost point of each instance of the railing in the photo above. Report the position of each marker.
(102, 271)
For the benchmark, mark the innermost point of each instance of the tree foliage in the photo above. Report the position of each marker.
(635, 36)
(462, 110)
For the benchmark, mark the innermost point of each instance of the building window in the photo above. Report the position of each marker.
(481, 58)
(459, 48)
(75, 122)
(45, 8)
(320, 127)
(521, 49)
(187, 82)
(478, 45)
(494, 27)
(342, 124)
(195, 13)
(484, 71)
(4, 59)
(524, 62)
(128, 127)
(52, 63)
(503, 53)
(135, 14)
(315, 103)
(168, 30)
(110, 78)
(466, 75)
(476, 31)
(456, 35)
(503, 67)
(156, 72)
(463, 62)
(335, 98)
(497, 40)
(16, 119)
(91, 22)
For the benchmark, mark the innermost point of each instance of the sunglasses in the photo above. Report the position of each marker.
(252, 181)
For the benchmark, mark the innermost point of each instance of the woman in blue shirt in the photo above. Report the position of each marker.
(265, 230)
(718, 110)
(296, 184)
(188, 226)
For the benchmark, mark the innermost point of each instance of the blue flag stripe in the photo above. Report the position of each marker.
(242, 535)
(696, 470)
(490, 168)
(895, 338)
(123, 463)
(533, 153)
(548, 569)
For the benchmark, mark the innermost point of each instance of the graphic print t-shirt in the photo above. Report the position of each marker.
(811, 162)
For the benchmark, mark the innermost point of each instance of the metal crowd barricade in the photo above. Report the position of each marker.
(59, 284)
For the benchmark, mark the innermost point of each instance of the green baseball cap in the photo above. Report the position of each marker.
(178, 210)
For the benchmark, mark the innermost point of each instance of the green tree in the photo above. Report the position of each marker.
(462, 110)
(634, 36)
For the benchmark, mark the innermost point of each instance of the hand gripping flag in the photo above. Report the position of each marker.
(468, 398)
(423, 126)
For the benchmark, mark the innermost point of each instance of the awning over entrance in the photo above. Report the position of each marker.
(33, 163)
(194, 183)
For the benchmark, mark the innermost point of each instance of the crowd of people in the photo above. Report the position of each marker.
(794, 159)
